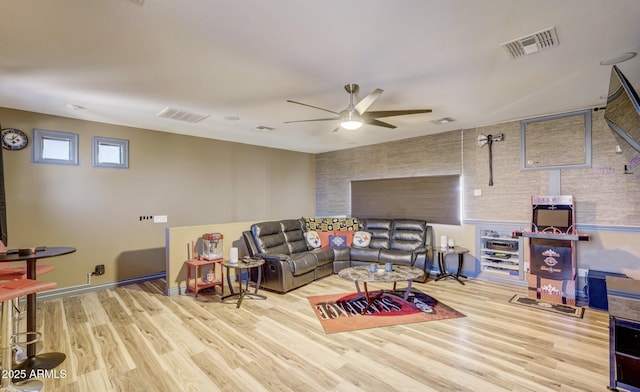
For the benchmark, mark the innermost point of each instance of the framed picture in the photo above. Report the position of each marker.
(558, 141)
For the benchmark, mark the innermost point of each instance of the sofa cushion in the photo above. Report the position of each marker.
(348, 234)
(323, 256)
(364, 254)
(380, 230)
(269, 238)
(324, 237)
(408, 235)
(294, 235)
(301, 263)
(395, 256)
(361, 239)
(313, 239)
(327, 223)
(337, 241)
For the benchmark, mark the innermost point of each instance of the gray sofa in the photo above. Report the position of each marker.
(290, 263)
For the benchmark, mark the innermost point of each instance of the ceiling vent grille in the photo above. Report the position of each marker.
(181, 115)
(263, 129)
(535, 42)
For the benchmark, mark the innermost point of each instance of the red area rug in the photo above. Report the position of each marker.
(342, 312)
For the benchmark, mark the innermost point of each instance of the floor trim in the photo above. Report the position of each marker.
(85, 288)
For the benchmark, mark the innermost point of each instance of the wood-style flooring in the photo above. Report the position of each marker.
(134, 338)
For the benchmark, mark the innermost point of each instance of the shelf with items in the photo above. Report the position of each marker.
(199, 280)
(500, 253)
(624, 354)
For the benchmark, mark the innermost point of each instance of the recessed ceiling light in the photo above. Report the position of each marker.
(618, 58)
(231, 118)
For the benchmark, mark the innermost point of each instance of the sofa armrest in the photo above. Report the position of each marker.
(420, 249)
(271, 257)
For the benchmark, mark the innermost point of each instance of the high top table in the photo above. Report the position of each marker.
(46, 360)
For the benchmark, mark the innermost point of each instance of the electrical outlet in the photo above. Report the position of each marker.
(582, 272)
(159, 219)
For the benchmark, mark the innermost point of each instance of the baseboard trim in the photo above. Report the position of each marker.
(86, 288)
(172, 292)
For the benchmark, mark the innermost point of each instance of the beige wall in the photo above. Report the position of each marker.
(179, 241)
(194, 181)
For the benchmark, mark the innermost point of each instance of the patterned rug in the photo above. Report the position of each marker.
(343, 312)
(568, 310)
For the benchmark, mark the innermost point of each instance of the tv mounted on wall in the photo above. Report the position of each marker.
(623, 116)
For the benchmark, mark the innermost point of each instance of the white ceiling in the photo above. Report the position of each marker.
(123, 62)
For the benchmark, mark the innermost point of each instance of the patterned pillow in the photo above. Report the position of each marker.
(313, 239)
(361, 239)
(348, 235)
(337, 241)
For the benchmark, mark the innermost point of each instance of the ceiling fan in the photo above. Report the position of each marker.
(355, 115)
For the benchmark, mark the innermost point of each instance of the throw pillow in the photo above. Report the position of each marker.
(348, 234)
(337, 241)
(361, 239)
(313, 239)
(324, 238)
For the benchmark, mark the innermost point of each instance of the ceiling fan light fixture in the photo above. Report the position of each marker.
(351, 124)
(351, 121)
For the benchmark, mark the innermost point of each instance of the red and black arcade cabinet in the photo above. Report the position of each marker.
(552, 254)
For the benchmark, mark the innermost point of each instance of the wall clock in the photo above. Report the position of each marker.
(14, 139)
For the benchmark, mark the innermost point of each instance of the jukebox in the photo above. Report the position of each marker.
(552, 256)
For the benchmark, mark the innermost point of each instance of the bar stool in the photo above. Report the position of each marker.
(8, 292)
(15, 273)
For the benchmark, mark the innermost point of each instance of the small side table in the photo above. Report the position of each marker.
(442, 265)
(199, 285)
(241, 266)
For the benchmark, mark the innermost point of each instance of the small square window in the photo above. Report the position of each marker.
(55, 147)
(110, 152)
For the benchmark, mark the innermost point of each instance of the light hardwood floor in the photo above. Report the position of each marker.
(134, 338)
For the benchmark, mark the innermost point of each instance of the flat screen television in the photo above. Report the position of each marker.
(622, 114)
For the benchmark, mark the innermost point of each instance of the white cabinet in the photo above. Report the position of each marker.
(501, 254)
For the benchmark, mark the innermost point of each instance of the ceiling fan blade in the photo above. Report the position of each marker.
(315, 119)
(391, 113)
(379, 123)
(311, 106)
(367, 101)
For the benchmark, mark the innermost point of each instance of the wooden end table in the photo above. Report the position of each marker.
(442, 265)
(241, 266)
(199, 285)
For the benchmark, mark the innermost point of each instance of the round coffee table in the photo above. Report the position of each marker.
(399, 273)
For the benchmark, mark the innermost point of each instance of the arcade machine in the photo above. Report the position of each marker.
(552, 253)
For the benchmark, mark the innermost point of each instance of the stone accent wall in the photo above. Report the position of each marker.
(422, 156)
(603, 194)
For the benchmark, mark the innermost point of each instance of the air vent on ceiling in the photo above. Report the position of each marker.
(181, 115)
(545, 39)
(263, 128)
